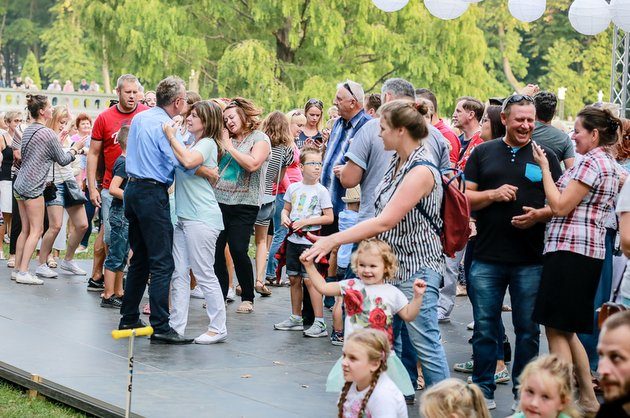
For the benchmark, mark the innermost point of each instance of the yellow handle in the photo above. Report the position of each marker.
(126, 333)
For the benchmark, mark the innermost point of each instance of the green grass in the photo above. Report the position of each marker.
(14, 403)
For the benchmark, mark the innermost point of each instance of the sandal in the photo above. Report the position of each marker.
(261, 289)
(246, 307)
(50, 262)
(11, 262)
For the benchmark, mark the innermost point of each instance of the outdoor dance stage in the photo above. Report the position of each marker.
(58, 332)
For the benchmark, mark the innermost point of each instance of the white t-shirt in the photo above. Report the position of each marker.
(386, 401)
(307, 201)
(372, 306)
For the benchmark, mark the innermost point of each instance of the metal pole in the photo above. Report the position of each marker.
(130, 377)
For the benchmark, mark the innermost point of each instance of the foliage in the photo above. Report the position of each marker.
(15, 404)
(31, 69)
(282, 52)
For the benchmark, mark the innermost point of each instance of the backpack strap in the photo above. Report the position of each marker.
(423, 212)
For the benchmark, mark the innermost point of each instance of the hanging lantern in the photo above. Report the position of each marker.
(390, 5)
(446, 9)
(620, 11)
(589, 17)
(527, 10)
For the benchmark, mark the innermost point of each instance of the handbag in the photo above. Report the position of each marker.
(73, 195)
(50, 191)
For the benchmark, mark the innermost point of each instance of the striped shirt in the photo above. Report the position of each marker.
(413, 239)
(583, 230)
(281, 157)
(40, 148)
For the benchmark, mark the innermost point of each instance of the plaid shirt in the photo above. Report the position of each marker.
(583, 230)
(338, 143)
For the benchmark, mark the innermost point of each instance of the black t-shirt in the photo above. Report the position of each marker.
(120, 171)
(317, 139)
(619, 408)
(490, 166)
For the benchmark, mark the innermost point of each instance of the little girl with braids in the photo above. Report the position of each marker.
(368, 391)
(371, 303)
(546, 389)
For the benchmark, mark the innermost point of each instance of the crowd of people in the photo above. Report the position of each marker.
(352, 213)
(55, 86)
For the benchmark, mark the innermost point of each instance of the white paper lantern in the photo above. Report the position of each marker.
(390, 5)
(527, 10)
(446, 9)
(620, 11)
(589, 17)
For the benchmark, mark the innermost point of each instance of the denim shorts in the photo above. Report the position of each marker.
(119, 239)
(265, 214)
(294, 265)
(59, 199)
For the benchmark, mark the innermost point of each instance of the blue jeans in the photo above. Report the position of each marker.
(279, 233)
(589, 341)
(151, 240)
(489, 282)
(405, 350)
(116, 259)
(424, 333)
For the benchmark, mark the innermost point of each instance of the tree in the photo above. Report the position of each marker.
(31, 69)
(66, 56)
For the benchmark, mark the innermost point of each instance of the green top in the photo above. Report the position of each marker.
(194, 196)
(522, 415)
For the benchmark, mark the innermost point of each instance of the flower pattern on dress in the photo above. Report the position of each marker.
(366, 313)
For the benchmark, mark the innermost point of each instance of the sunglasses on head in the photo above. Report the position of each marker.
(316, 102)
(516, 98)
(347, 87)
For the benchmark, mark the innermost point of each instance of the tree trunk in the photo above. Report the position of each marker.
(105, 68)
(507, 68)
(283, 50)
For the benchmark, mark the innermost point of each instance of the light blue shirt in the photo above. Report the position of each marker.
(194, 196)
(149, 155)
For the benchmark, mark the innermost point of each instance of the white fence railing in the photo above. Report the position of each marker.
(90, 103)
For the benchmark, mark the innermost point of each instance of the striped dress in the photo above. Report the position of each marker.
(413, 240)
(40, 148)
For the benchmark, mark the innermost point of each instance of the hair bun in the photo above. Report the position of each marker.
(421, 107)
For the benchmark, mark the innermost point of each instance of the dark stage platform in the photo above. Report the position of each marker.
(59, 332)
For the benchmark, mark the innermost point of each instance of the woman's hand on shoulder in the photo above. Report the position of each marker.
(169, 130)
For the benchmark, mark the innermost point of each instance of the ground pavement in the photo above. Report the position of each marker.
(59, 332)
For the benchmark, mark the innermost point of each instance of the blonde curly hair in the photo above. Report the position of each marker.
(454, 398)
(389, 258)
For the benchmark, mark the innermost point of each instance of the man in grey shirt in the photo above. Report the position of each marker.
(550, 136)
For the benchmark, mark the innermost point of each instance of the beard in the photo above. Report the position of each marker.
(617, 391)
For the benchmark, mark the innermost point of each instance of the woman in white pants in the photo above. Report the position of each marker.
(199, 222)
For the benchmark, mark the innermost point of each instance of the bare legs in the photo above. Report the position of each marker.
(32, 214)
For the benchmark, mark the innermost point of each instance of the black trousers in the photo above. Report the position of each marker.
(238, 223)
(16, 221)
(151, 239)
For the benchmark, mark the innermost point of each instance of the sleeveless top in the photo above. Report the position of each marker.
(7, 161)
(413, 240)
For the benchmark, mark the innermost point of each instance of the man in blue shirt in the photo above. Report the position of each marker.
(150, 167)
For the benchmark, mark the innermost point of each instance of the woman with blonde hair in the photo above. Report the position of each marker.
(69, 197)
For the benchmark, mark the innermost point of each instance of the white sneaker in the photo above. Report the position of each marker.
(471, 326)
(27, 278)
(317, 330)
(45, 271)
(491, 404)
(81, 250)
(207, 339)
(196, 293)
(14, 274)
(7, 240)
(72, 267)
(231, 295)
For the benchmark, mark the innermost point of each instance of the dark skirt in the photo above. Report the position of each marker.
(567, 292)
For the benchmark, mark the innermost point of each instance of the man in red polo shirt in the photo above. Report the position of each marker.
(439, 124)
(103, 144)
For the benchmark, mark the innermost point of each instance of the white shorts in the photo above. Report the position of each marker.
(6, 194)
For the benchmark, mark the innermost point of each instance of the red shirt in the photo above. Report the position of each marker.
(106, 129)
(451, 138)
(293, 173)
(474, 141)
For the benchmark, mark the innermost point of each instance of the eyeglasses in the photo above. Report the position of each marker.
(347, 87)
(313, 163)
(516, 98)
(316, 102)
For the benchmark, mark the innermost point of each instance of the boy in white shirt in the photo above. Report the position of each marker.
(307, 206)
